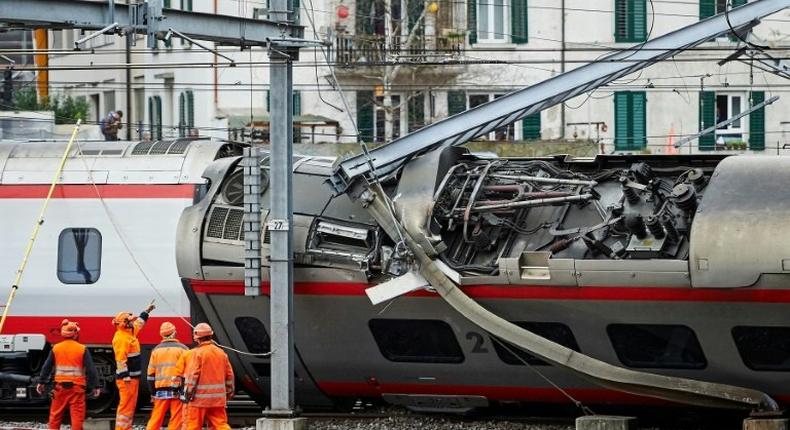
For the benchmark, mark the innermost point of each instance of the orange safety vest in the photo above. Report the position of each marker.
(69, 355)
(127, 351)
(162, 365)
(208, 377)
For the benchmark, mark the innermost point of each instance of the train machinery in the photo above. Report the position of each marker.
(107, 244)
(620, 279)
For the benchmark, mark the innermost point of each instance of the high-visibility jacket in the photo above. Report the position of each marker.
(208, 377)
(127, 349)
(69, 356)
(162, 364)
(70, 361)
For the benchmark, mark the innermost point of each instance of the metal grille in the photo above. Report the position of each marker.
(233, 225)
(160, 147)
(142, 148)
(179, 146)
(216, 222)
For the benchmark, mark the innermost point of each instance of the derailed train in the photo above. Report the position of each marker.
(674, 265)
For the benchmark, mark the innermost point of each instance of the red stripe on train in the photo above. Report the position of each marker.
(93, 330)
(111, 191)
(656, 294)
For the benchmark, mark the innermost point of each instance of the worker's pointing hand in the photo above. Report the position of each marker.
(150, 307)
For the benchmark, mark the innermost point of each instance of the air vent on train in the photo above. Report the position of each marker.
(225, 223)
(162, 147)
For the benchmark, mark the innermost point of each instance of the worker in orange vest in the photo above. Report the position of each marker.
(128, 364)
(161, 370)
(74, 374)
(208, 383)
(178, 381)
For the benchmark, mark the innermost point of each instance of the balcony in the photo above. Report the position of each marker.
(365, 50)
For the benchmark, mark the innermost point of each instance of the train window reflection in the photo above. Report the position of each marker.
(253, 333)
(416, 341)
(763, 348)
(79, 255)
(555, 332)
(657, 346)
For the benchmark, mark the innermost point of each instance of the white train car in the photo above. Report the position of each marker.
(107, 245)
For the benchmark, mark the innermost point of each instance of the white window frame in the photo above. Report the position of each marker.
(742, 129)
(484, 36)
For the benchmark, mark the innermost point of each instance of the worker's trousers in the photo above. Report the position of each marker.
(73, 398)
(127, 392)
(161, 406)
(214, 418)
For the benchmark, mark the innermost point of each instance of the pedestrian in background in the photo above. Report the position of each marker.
(128, 364)
(110, 125)
(208, 383)
(161, 371)
(75, 375)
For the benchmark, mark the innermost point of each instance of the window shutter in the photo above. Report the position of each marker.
(166, 3)
(736, 3)
(707, 8)
(182, 115)
(638, 15)
(638, 120)
(530, 127)
(268, 101)
(365, 115)
(415, 8)
(620, 21)
(456, 102)
(416, 112)
(707, 118)
(757, 123)
(471, 20)
(190, 108)
(151, 116)
(297, 105)
(294, 8)
(518, 21)
(622, 115)
(364, 17)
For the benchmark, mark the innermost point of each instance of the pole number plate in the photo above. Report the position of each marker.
(277, 225)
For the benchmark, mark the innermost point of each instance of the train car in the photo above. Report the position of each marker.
(674, 265)
(107, 244)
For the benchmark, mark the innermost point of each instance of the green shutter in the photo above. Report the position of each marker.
(151, 115)
(365, 115)
(620, 21)
(757, 123)
(638, 120)
(518, 21)
(293, 6)
(622, 115)
(456, 102)
(364, 17)
(530, 127)
(166, 3)
(707, 8)
(736, 3)
(297, 103)
(182, 115)
(416, 113)
(268, 101)
(471, 20)
(415, 8)
(638, 20)
(707, 118)
(190, 109)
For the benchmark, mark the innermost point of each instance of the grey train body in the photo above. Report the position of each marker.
(676, 265)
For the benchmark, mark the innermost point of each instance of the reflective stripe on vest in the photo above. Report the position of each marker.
(69, 355)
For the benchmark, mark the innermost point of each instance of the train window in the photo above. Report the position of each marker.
(253, 333)
(657, 346)
(763, 348)
(79, 256)
(416, 341)
(555, 332)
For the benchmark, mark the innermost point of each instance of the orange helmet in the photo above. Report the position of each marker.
(69, 329)
(123, 318)
(203, 330)
(167, 329)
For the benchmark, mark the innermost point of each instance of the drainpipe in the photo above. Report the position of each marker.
(562, 66)
(41, 38)
(129, 40)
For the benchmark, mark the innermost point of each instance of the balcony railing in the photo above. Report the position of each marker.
(372, 50)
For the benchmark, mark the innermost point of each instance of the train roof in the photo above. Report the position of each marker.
(169, 161)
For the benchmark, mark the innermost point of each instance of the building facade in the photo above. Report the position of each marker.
(403, 64)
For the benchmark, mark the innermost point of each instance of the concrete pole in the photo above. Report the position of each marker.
(280, 222)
